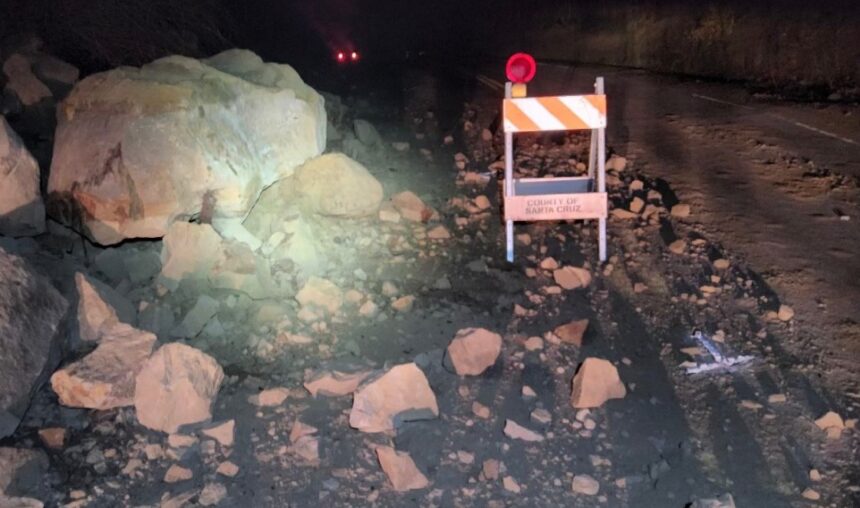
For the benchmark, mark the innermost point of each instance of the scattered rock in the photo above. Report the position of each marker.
(270, 397)
(832, 424)
(411, 207)
(572, 277)
(403, 304)
(212, 494)
(678, 247)
(480, 410)
(681, 211)
(439, 232)
(511, 485)
(176, 386)
(516, 431)
(22, 82)
(228, 469)
(814, 475)
(474, 350)
(304, 443)
(22, 212)
(585, 484)
(571, 333)
(490, 469)
(541, 416)
(223, 433)
(30, 342)
(104, 379)
(620, 213)
(637, 205)
(53, 437)
(398, 395)
(177, 473)
(811, 494)
(721, 264)
(785, 313)
(334, 383)
(189, 251)
(616, 163)
(320, 294)
(400, 469)
(596, 382)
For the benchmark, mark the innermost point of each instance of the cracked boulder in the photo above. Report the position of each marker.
(139, 148)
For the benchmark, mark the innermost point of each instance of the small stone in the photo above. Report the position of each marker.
(637, 205)
(403, 304)
(678, 247)
(480, 410)
(212, 494)
(511, 485)
(465, 457)
(270, 397)
(832, 424)
(177, 473)
(228, 469)
(776, 398)
(515, 431)
(585, 484)
(811, 494)
(620, 213)
(571, 333)
(680, 211)
(785, 313)
(400, 469)
(439, 232)
(616, 163)
(320, 294)
(490, 469)
(814, 475)
(541, 416)
(334, 383)
(549, 264)
(53, 437)
(533, 343)
(721, 264)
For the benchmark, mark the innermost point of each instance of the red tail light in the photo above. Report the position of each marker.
(340, 56)
(354, 56)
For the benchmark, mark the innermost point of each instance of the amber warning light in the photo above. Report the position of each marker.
(521, 68)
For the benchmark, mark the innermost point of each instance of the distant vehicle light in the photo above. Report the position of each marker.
(354, 56)
(341, 57)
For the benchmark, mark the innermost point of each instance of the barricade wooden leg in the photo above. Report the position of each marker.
(601, 175)
(509, 182)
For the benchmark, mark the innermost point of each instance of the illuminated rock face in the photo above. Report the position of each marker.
(136, 149)
(337, 186)
(22, 212)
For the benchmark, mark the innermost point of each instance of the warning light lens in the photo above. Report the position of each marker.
(354, 56)
(521, 68)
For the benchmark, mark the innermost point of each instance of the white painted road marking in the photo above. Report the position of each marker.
(783, 119)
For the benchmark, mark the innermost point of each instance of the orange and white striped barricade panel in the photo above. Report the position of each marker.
(565, 113)
(534, 199)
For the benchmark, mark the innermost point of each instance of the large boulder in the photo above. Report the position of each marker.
(22, 212)
(32, 313)
(176, 386)
(137, 148)
(104, 379)
(335, 185)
